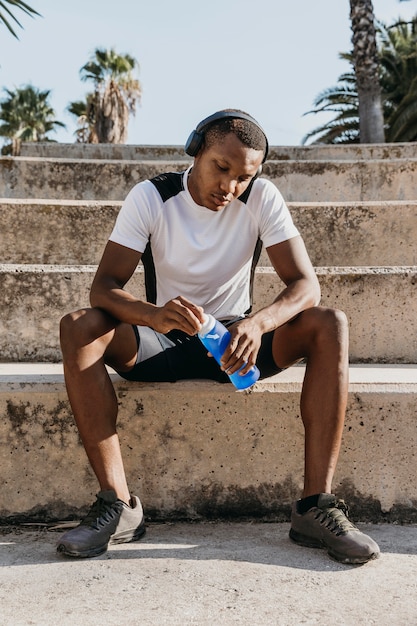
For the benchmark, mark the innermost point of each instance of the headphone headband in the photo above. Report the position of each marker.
(195, 140)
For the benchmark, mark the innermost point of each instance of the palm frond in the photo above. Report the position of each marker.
(19, 4)
(397, 49)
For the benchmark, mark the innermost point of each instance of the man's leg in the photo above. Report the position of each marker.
(320, 520)
(321, 336)
(90, 339)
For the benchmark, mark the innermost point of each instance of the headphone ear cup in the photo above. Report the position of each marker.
(194, 143)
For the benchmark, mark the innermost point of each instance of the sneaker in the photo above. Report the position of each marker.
(327, 526)
(108, 521)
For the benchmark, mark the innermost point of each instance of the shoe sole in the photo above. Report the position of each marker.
(125, 537)
(311, 542)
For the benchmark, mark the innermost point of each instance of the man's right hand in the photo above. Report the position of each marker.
(178, 314)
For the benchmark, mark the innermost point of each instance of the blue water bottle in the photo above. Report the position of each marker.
(215, 337)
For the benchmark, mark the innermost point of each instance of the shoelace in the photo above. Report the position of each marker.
(100, 514)
(335, 518)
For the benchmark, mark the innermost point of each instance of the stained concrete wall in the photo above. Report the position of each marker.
(281, 153)
(298, 181)
(202, 450)
(346, 233)
(66, 232)
(379, 302)
(344, 180)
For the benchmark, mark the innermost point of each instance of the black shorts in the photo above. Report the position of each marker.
(177, 356)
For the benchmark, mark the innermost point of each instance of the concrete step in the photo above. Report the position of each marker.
(123, 152)
(380, 302)
(342, 181)
(298, 181)
(200, 450)
(345, 233)
(76, 179)
(70, 232)
(357, 233)
(281, 153)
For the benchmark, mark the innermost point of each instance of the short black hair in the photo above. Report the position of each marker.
(246, 131)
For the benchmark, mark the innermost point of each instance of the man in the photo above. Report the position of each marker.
(199, 229)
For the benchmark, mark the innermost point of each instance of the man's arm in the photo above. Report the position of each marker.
(116, 267)
(302, 291)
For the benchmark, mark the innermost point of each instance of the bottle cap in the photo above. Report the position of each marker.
(208, 323)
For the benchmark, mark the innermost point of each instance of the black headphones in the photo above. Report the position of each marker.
(196, 138)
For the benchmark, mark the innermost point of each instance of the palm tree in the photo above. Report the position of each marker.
(84, 112)
(398, 54)
(397, 49)
(6, 14)
(366, 64)
(26, 116)
(116, 94)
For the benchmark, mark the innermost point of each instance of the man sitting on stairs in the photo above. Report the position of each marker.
(197, 231)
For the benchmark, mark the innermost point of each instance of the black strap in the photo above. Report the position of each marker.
(149, 270)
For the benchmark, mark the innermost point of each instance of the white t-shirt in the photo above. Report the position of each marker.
(200, 254)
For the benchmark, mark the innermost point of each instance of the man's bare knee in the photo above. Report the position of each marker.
(321, 327)
(82, 328)
(331, 328)
(336, 321)
(72, 325)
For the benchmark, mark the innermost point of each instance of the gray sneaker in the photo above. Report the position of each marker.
(108, 521)
(327, 526)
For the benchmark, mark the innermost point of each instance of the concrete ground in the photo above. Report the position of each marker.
(207, 574)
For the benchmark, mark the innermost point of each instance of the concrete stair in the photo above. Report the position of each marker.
(369, 233)
(298, 180)
(34, 298)
(277, 153)
(200, 449)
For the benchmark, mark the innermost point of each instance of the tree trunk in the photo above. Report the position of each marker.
(366, 63)
(112, 116)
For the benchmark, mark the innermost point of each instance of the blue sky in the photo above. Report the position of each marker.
(268, 57)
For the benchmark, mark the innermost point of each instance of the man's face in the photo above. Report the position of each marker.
(222, 171)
